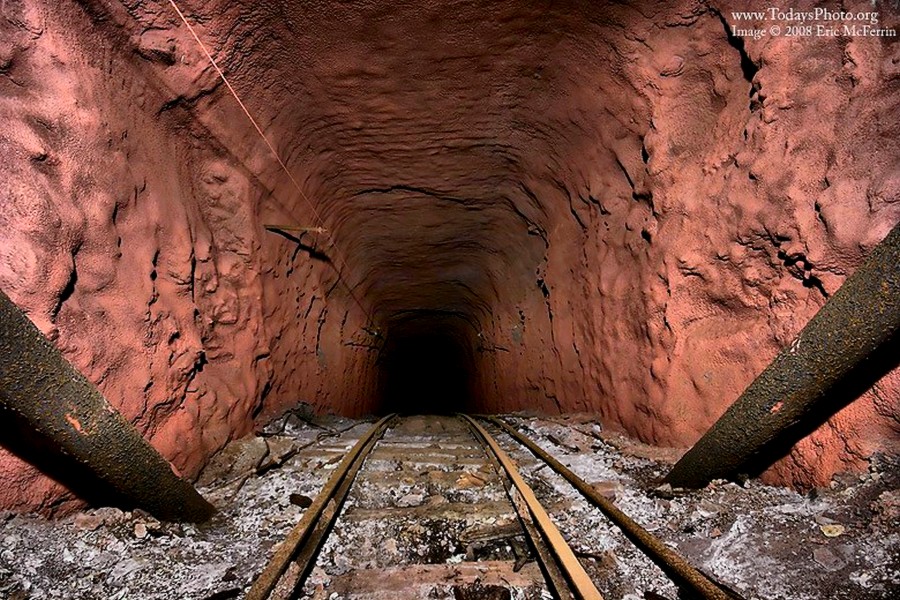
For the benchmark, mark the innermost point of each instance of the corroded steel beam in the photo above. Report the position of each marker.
(40, 387)
(798, 388)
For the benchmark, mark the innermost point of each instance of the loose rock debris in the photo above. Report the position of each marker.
(449, 516)
(104, 553)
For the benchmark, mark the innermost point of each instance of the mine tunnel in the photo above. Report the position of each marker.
(657, 240)
(426, 368)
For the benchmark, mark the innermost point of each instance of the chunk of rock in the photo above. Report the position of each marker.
(410, 500)
(828, 559)
(87, 521)
(238, 458)
(111, 515)
(301, 500)
(833, 530)
(608, 489)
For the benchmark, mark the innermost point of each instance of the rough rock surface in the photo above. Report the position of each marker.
(621, 209)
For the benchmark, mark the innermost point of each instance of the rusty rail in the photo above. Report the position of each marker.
(581, 584)
(562, 569)
(306, 537)
(674, 565)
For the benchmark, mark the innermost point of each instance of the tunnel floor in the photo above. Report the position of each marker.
(841, 541)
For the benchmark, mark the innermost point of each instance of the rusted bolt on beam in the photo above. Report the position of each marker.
(40, 387)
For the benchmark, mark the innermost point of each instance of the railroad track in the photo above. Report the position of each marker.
(479, 532)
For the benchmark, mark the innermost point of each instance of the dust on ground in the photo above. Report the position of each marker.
(842, 541)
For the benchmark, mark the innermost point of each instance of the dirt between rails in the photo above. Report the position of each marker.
(841, 541)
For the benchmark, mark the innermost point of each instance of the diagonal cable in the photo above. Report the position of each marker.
(342, 264)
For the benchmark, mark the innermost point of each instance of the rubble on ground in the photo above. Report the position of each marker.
(840, 542)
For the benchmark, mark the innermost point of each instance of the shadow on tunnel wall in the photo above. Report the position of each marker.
(20, 438)
(859, 380)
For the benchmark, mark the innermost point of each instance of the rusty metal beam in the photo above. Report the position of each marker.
(42, 389)
(809, 380)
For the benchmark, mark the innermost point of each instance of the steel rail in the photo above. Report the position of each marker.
(556, 580)
(581, 583)
(667, 559)
(318, 517)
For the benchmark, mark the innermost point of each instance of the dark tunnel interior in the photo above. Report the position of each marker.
(426, 369)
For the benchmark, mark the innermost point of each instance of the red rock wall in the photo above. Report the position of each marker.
(712, 211)
(611, 209)
(131, 233)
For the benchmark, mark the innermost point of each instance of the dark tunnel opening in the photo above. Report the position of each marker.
(426, 370)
